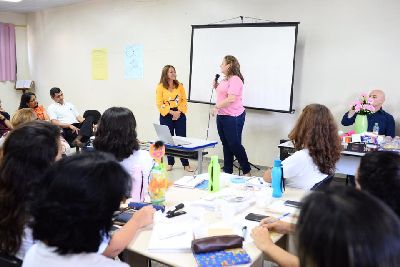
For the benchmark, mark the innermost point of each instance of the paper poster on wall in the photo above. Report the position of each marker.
(133, 62)
(100, 64)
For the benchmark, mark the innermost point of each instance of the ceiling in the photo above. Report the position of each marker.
(26, 6)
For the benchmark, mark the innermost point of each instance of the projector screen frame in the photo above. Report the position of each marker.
(231, 25)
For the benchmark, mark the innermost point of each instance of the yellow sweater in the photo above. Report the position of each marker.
(166, 99)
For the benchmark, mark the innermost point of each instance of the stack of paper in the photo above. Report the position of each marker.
(189, 181)
(167, 237)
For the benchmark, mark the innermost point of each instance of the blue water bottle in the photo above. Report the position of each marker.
(276, 176)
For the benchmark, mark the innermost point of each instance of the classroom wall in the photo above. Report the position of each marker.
(344, 48)
(8, 95)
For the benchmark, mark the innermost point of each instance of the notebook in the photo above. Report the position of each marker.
(226, 257)
(164, 135)
(189, 181)
(171, 237)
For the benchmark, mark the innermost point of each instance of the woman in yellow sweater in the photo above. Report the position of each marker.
(172, 104)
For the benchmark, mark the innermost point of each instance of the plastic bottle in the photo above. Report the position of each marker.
(214, 170)
(276, 176)
(375, 130)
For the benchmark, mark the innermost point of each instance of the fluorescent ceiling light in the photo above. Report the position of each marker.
(11, 0)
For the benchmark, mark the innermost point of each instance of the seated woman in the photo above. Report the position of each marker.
(315, 138)
(379, 175)
(24, 115)
(28, 151)
(5, 124)
(335, 228)
(116, 134)
(28, 100)
(72, 215)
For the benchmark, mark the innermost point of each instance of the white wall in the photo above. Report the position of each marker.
(344, 48)
(8, 95)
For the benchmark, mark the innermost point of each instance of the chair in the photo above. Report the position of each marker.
(323, 184)
(9, 261)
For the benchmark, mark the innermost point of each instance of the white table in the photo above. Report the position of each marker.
(347, 164)
(141, 255)
(194, 150)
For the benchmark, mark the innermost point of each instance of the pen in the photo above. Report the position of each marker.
(280, 217)
(244, 232)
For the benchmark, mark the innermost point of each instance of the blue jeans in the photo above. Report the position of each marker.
(177, 127)
(230, 132)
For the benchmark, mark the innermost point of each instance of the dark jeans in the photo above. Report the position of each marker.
(230, 132)
(178, 128)
(85, 129)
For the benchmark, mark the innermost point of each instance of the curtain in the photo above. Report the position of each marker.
(8, 59)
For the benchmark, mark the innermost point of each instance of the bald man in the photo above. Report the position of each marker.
(385, 120)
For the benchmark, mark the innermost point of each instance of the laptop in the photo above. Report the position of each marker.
(164, 135)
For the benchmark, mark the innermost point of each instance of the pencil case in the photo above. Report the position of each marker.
(216, 243)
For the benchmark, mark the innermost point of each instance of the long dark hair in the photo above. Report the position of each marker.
(379, 175)
(164, 77)
(316, 130)
(78, 196)
(234, 69)
(25, 98)
(28, 151)
(116, 133)
(347, 227)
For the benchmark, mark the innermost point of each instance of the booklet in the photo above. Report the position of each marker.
(189, 181)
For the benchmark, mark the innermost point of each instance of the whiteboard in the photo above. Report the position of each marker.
(265, 51)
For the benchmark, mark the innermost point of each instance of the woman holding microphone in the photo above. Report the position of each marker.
(231, 115)
(172, 105)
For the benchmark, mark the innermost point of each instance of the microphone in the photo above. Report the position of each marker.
(216, 77)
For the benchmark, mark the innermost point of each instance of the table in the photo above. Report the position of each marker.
(195, 150)
(347, 164)
(140, 255)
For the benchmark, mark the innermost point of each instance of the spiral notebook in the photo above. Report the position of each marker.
(228, 257)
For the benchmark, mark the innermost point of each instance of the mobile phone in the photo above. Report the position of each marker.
(291, 203)
(255, 217)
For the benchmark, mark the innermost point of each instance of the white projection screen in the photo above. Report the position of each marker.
(266, 53)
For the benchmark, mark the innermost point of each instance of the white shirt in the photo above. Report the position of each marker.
(63, 113)
(26, 244)
(42, 255)
(300, 170)
(142, 160)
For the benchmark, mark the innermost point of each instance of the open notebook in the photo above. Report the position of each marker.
(189, 181)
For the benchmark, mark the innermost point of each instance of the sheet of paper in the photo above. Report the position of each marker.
(133, 62)
(100, 64)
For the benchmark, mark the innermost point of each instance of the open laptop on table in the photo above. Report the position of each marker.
(164, 135)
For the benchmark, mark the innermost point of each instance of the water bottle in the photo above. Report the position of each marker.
(375, 130)
(214, 170)
(276, 175)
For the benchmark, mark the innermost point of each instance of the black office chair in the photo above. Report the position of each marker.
(323, 184)
(9, 261)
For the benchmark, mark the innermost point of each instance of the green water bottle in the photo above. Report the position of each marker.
(214, 170)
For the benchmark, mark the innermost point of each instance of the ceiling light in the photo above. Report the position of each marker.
(11, 0)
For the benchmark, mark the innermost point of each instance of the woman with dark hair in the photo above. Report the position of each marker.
(317, 144)
(379, 175)
(28, 151)
(116, 134)
(336, 228)
(231, 115)
(73, 212)
(172, 105)
(28, 100)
